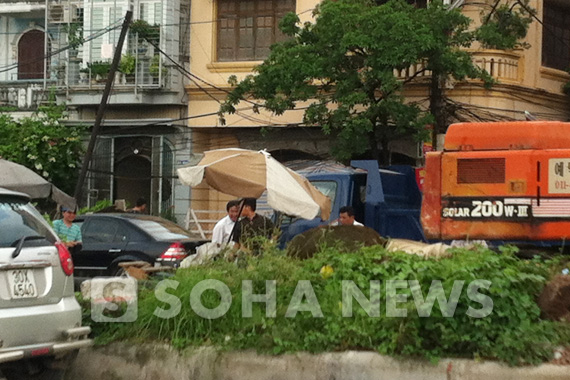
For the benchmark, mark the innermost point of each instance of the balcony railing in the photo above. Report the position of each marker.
(149, 72)
(147, 67)
(22, 95)
(501, 65)
(418, 70)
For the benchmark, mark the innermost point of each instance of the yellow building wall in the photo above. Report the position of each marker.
(204, 65)
(522, 82)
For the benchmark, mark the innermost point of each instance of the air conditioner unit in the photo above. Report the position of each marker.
(62, 13)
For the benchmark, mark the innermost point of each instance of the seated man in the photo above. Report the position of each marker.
(224, 227)
(140, 207)
(252, 226)
(346, 217)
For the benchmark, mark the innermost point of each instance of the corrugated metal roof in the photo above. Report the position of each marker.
(306, 167)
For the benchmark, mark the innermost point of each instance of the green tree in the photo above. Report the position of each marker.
(502, 27)
(345, 64)
(43, 144)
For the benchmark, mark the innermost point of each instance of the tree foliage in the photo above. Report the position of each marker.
(345, 64)
(502, 27)
(506, 26)
(43, 144)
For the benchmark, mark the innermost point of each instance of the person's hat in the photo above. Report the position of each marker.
(64, 209)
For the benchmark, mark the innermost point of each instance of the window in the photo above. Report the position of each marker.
(19, 219)
(247, 28)
(556, 35)
(143, 12)
(161, 229)
(100, 231)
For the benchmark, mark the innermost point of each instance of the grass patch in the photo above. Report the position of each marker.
(513, 331)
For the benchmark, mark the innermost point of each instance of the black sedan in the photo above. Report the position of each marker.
(109, 239)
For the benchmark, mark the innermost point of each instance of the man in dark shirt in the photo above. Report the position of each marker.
(140, 207)
(252, 226)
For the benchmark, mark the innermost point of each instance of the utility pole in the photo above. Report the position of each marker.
(101, 110)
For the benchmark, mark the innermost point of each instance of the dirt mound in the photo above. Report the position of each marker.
(554, 301)
(346, 238)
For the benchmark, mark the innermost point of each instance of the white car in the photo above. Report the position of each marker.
(40, 319)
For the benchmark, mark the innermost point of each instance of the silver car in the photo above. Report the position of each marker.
(40, 319)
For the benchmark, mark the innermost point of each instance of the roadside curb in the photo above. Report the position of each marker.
(121, 361)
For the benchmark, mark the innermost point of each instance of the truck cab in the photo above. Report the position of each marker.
(386, 200)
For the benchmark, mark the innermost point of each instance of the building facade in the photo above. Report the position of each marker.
(23, 39)
(528, 81)
(144, 131)
(231, 37)
(165, 106)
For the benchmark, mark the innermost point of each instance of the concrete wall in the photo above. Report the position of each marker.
(129, 362)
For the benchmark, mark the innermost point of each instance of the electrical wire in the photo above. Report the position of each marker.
(217, 20)
(544, 26)
(100, 33)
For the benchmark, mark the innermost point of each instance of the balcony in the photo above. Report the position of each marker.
(147, 72)
(501, 65)
(26, 96)
(144, 76)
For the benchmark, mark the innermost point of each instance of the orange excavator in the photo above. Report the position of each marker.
(502, 181)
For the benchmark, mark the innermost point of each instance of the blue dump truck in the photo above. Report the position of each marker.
(387, 200)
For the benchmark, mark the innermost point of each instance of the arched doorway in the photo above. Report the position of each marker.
(133, 179)
(31, 55)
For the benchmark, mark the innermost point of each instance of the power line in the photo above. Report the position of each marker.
(219, 19)
(48, 29)
(194, 78)
(100, 33)
(544, 26)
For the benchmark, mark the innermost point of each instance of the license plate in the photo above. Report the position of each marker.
(22, 283)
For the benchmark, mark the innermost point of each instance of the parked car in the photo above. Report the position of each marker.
(109, 239)
(40, 319)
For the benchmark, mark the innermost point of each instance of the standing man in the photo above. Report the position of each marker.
(67, 231)
(224, 227)
(140, 207)
(346, 217)
(252, 226)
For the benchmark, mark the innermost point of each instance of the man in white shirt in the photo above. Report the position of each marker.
(346, 217)
(224, 227)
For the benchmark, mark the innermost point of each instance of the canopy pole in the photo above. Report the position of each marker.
(241, 203)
